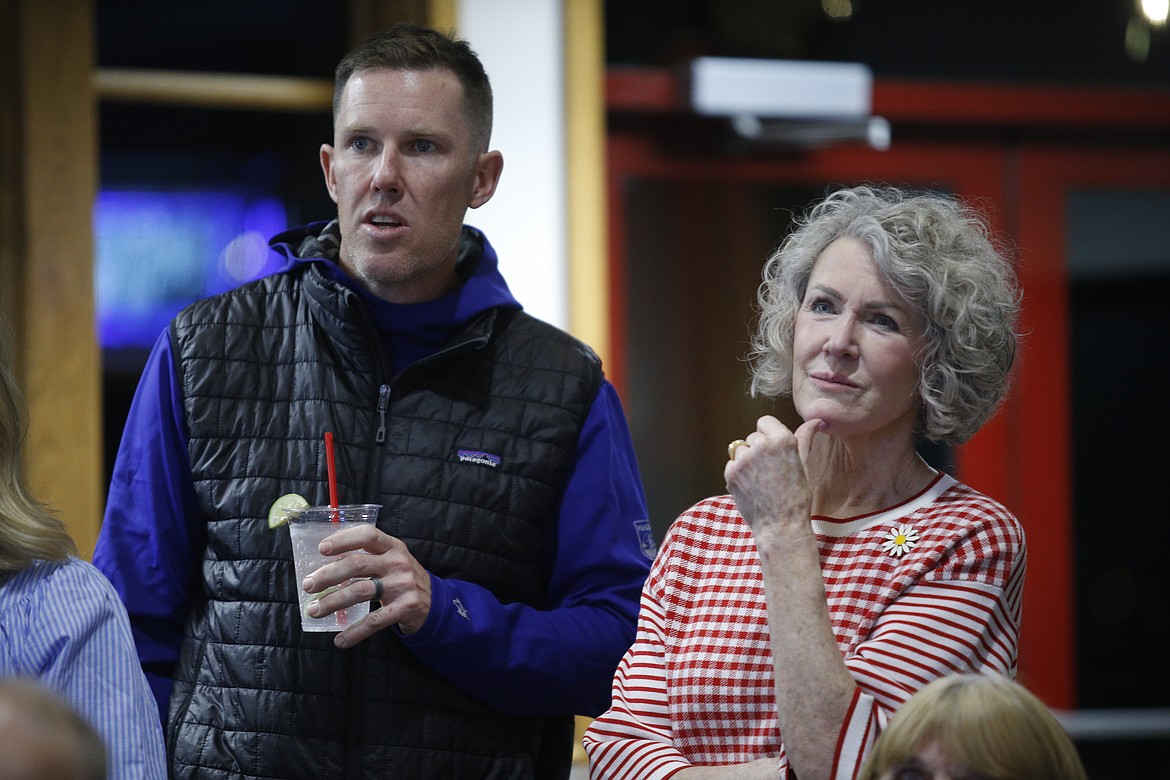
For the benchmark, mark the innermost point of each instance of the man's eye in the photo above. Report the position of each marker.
(423, 145)
(359, 144)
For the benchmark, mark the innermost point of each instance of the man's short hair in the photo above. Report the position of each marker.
(412, 47)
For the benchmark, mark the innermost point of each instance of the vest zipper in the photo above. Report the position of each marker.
(383, 402)
(354, 758)
(374, 470)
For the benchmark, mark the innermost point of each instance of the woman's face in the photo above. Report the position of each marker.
(931, 763)
(854, 346)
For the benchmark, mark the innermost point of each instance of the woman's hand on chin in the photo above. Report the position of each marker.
(767, 476)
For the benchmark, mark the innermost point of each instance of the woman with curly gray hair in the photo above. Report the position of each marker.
(939, 259)
(783, 624)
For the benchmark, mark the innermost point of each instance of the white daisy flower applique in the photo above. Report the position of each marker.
(900, 540)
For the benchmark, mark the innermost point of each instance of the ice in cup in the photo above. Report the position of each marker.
(308, 527)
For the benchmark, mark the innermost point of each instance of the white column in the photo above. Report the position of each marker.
(521, 45)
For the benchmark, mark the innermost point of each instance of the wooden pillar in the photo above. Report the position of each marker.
(585, 166)
(48, 181)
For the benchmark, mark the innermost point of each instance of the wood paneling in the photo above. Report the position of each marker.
(48, 183)
(585, 160)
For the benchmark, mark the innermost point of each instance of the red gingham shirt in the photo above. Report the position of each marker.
(696, 687)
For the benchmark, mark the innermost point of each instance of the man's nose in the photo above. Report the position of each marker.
(387, 176)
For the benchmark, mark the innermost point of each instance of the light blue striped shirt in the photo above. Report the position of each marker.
(63, 624)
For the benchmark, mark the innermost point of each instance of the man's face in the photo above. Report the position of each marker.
(403, 170)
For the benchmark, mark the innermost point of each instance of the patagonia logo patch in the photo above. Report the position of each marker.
(479, 457)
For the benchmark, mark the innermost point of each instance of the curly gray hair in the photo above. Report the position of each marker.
(939, 256)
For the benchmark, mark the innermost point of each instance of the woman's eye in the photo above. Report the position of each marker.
(820, 306)
(882, 321)
(911, 773)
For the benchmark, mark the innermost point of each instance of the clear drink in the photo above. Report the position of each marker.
(307, 528)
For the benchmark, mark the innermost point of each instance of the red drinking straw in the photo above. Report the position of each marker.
(331, 469)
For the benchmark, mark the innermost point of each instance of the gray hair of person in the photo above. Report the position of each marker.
(939, 256)
(410, 47)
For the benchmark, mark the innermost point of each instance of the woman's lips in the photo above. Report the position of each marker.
(832, 380)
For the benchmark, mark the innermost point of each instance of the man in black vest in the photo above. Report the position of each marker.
(512, 543)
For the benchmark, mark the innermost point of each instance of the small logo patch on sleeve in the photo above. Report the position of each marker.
(479, 457)
(646, 538)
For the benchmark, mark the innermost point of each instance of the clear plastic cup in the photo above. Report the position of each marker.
(307, 528)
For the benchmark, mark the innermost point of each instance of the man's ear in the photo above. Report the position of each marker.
(327, 169)
(487, 176)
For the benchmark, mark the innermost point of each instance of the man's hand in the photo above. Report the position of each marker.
(371, 554)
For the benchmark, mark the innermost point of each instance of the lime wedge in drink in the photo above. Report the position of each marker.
(320, 595)
(278, 514)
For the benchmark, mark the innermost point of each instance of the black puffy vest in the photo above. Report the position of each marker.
(468, 453)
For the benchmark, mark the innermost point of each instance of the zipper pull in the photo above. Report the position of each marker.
(383, 402)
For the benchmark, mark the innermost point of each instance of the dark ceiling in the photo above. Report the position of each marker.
(1077, 41)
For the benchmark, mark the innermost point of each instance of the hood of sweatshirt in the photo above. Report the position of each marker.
(410, 330)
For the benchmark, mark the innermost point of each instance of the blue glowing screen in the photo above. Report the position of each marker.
(159, 251)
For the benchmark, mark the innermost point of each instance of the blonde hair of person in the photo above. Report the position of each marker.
(988, 724)
(28, 530)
